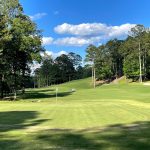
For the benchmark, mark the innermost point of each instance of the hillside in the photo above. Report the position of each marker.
(84, 91)
(78, 120)
(76, 84)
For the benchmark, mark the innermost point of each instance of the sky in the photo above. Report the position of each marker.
(71, 25)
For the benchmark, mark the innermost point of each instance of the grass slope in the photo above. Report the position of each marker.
(108, 117)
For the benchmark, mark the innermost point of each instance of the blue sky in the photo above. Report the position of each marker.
(71, 25)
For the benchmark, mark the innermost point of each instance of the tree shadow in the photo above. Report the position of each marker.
(44, 90)
(41, 95)
(9, 144)
(16, 121)
(13, 120)
(134, 136)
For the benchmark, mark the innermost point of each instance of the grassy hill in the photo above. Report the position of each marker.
(115, 116)
(84, 91)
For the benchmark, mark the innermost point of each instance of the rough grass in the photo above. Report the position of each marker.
(108, 117)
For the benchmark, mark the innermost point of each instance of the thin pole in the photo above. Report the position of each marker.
(94, 78)
(92, 74)
(140, 78)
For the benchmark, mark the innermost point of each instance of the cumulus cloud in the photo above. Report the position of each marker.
(120, 31)
(87, 33)
(37, 16)
(83, 29)
(94, 29)
(76, 41)
(70, 41)
(47, 40)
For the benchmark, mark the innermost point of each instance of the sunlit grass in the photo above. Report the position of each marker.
(108, 117)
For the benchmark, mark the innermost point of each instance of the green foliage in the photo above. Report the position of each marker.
(62, 69)
(19, 46)
(131, 66)
(128, 57)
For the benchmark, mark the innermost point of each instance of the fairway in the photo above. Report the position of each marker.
(108, 117)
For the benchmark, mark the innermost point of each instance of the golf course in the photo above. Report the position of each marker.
(111, 116)
(74, 75)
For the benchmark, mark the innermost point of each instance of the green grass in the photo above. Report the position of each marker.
(109, 117)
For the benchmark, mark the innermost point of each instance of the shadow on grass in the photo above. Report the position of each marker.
(9, 144)
(40, 94)
(135, 136)
(13, 120)
(44, 90)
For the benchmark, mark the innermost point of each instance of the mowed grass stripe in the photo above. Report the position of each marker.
(88, 114)
(108, 117)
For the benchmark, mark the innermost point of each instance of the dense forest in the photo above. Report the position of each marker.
(64, 68)
(129, 57)
(21, 45)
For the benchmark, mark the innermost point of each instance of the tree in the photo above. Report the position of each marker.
(91, 52)
(46, 70)
(76, 59)
(66, 68)
(113, 47)
(5, 36)
(137, 32)
(103, 63)
(23, 46)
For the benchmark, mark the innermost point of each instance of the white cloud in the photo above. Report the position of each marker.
(37, 16)
(70, 41)
(94, 29)
(120, 31)
(47, 40)
(76, 41)
(83, 29)
(87, 33)
(54, 54)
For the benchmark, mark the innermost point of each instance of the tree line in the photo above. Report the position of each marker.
(129, 57)
(20, 45)
(64, 68)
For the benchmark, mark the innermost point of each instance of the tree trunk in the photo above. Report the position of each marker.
(143, 66)
(116, 71)
(2, 86)
(47, 81)
(34, 82)
(15, 94)
(23, 82)
(140, 64)
(145, 63)
(39, 82)
(92, 74)
(94, 80)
